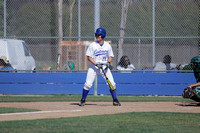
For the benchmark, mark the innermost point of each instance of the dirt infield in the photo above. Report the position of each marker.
(71, 109)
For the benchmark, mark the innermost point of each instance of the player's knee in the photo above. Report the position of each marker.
(87, 86)
(114, 87)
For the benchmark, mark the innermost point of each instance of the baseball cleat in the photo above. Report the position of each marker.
(82, 103)
(116, 102)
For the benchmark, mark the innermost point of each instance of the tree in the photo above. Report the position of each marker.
(124, 12)
(60, 29)
(71, 4)
(60, 14)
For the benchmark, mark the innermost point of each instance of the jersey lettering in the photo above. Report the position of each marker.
(101, 52)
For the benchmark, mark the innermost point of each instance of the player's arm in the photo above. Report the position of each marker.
(193, 85)
(109, 65)
(94, 62)
(90, 59)
(110, 59)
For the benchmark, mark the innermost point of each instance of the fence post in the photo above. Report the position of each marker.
(153, 30)
(5, 24)
(96, 25)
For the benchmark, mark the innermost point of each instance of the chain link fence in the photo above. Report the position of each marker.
(152, 29)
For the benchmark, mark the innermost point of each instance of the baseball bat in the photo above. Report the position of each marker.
(107, 80)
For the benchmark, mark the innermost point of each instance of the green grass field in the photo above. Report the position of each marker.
(135, 122)
(152, 122)
(14, 110)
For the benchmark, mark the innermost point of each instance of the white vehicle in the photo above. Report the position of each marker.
(17, 54)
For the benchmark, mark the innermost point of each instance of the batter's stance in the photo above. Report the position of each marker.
(100, 55)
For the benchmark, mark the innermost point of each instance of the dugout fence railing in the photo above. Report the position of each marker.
(137, 83)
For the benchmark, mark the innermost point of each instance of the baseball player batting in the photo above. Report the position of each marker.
(100, 55)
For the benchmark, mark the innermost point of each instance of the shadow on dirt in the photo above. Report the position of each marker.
(77, 104)
(93, 104)
(193, 104)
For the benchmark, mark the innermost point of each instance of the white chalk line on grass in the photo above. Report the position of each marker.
(40, 112)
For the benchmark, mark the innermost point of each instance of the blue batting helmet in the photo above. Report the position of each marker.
(101, 31)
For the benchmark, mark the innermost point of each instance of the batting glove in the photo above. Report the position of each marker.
(108, 66)
(99, 65)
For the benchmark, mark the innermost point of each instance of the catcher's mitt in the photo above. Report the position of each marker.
(187, 93)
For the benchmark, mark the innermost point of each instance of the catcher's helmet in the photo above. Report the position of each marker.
(196, 64)
(101, 31)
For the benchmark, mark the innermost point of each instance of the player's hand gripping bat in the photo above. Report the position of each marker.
(107, 80)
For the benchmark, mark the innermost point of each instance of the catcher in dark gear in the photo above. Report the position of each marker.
(193, 91)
